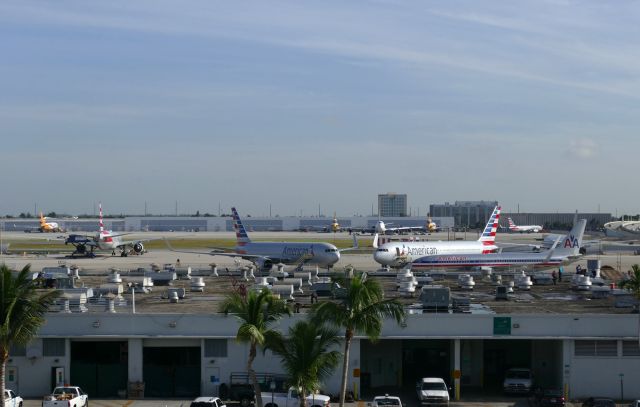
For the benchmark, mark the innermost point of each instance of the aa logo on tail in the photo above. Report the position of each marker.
(571, 242)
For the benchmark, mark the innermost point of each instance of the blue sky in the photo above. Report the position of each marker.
(297, 104)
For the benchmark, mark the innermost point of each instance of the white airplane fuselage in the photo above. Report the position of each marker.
(106, 241)
(398, 254)
(322, 254)
(526, 228)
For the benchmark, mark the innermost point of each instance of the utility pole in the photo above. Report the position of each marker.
(145, 208)
(176, 208)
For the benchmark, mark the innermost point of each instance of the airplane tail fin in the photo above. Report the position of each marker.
(100, 222)
(241, 233)
(572, 243)
(512, 225)
(375, 241)
(42, 219)
(488, 236)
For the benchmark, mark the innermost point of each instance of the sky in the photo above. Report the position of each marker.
(295, 108)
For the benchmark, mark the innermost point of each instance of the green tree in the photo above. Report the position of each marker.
(633, 284)
(360, 309)
(307, 355)
(22, 313)
(256, 312)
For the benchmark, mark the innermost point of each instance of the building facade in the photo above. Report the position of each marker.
(468, 214)
(186, 355)
(391, 204)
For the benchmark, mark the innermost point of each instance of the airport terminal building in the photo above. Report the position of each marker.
(585, 347)
(222, 224)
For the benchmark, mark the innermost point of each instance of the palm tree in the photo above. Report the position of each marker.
(361, 308)
(307, 356)
(256, 312)
(22, 312)
(633, 284)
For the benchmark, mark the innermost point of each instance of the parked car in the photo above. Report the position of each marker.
(518, 380)
(549, 398)
(635, 403)
(207, 402)
(598, 402)
(385, 401)
(11, 399)
(432, 391)
(291, 399)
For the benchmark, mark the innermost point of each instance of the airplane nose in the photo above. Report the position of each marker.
(380, 257)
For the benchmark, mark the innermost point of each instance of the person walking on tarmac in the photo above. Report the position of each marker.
(554, 277)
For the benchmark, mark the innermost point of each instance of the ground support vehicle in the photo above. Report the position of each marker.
(66, 396)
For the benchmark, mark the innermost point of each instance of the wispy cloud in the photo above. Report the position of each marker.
(583, 148)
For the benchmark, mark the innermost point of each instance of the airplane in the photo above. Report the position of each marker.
(45, 226)
(523, 228)
(382, 228)
(104, 240)
(333, 227)
(399, 254)
(429, 227)
(265, 254)
(570, 249)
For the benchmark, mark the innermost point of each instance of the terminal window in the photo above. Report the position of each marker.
(53, 347)
(630, 348)
(215, 348)
(596, 348)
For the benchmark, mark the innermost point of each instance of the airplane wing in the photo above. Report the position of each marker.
(137, 241)
(214, 252)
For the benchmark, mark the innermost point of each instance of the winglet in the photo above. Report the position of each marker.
(375, 241)
(355, 241)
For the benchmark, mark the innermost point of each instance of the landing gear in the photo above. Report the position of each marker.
(124, 253)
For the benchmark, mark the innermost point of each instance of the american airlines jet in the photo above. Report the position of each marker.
(266, 254)
(569, 248)
(398, 254)
(523, 228)
(104, 240)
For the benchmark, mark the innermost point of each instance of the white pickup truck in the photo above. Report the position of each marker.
(11, 399)
(291, 399)
(67, 396)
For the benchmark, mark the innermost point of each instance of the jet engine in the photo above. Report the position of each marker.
(138, 247)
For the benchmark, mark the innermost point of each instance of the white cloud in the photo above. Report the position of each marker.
(583, 148)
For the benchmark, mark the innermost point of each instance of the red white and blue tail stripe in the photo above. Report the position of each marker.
(512, 225)
(241, 233)
(488, 236)
(100, 222)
